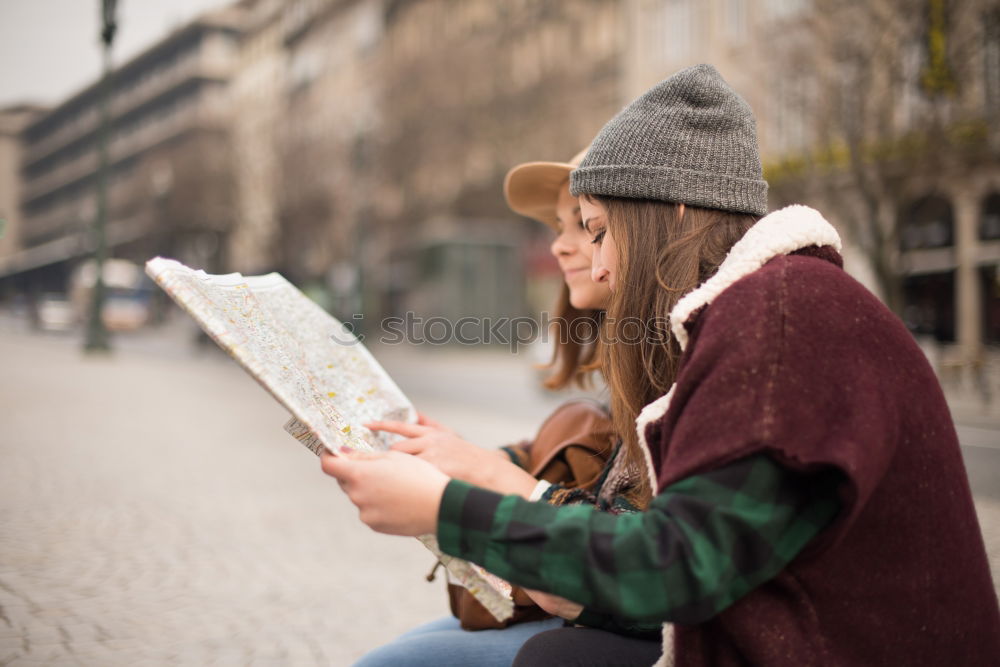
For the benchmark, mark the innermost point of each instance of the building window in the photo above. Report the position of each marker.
(991, 59)
(927, 223)
(989, 219)
(990, 277)
(789, 112)
(736, 19)
(779, 9)
(911, 103)
(367, 28)
(676, 28)
(305, 66)
(929, 305)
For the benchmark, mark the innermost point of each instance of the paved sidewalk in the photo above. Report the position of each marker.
(153, 512)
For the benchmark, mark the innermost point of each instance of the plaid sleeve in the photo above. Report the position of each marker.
(615, 503)
(704, 542)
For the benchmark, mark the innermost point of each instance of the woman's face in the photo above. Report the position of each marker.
(605, 254)
(574, 251)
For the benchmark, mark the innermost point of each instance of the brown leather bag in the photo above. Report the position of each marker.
(571, 448)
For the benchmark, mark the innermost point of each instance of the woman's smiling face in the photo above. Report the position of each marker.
(574, 251)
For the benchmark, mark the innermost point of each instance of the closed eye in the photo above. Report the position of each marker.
(599, 237)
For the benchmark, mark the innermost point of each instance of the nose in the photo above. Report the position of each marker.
(561, 246)
(598, 273)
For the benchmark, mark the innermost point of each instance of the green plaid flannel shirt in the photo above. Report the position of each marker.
(703, 543)
(618, 501)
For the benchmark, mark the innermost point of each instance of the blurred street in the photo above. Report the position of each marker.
(152, 510)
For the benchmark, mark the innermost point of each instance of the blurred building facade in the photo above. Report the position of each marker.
(402, 118)
(886, 116)
(359, 146)
(13, 120)
(471, 89)
(256, 93)
(331, 109)
(169, 183)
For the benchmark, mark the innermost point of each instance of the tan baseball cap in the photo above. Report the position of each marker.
(532, 188)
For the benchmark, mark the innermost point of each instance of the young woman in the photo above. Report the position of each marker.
(812, 507)
(539, 190)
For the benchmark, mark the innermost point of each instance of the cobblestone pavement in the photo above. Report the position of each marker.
(153, 512)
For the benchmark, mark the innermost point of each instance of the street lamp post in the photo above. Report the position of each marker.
(97, 335)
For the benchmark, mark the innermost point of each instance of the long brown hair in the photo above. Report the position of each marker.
(576, 344)
(662, 255)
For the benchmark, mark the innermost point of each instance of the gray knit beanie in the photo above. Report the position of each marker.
(690, 139)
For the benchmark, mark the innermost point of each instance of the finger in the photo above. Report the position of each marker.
(335, 466)
(410, 446)
(361, 455)
(424, 420)
(433, 423)
(400, 428)
(342, 461)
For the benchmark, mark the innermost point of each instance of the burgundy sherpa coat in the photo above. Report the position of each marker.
(787, 355)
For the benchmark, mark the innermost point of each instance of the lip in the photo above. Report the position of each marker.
(573, 272)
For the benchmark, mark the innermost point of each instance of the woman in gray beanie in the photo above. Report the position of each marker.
(811, 506)
(568, 456)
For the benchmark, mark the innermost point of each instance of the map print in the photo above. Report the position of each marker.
(314, 367)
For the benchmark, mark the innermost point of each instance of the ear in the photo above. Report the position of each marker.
(680, 211)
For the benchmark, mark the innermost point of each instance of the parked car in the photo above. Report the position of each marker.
(124, 312)
(56, 313)
(126, 294)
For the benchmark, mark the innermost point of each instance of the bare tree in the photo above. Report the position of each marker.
(894, 91)
(194, 193)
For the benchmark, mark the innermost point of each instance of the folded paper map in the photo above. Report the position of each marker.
(315, 367)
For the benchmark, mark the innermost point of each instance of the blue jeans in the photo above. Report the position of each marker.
(442, 643)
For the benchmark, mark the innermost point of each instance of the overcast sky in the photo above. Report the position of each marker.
(49, 49)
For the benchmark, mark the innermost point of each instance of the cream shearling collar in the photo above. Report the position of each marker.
(780, 233)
